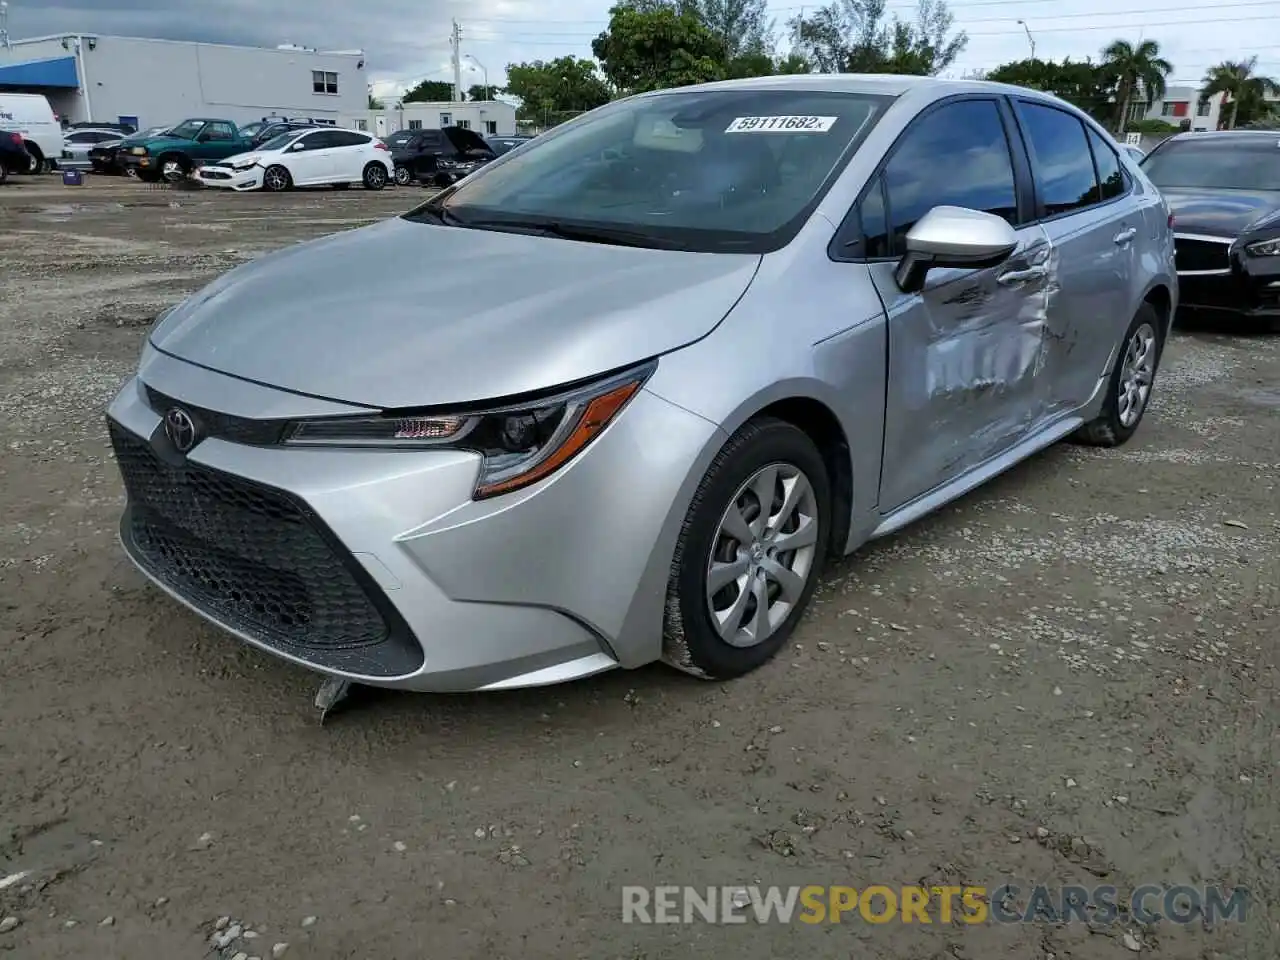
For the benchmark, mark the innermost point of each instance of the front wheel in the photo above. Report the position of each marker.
(1130, 385)
(749, 554)
(174, 168)
(276, 178)
(375, 176)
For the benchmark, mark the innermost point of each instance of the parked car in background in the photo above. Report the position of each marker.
(305, 158)
(108, 156)
(77, 143)
(30, 115)
(334, 453)
(272, 130)
(175, 153)
(501, 145)
(13, 154)
(120, 129)
(1224, 190)
(437, 157)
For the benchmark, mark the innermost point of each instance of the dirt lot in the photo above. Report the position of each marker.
(1068, 677)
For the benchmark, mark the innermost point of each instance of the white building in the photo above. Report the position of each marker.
(152, 82)
(486, 117)
(1181, 107)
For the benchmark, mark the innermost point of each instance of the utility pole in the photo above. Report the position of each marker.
(1030, 39)
(455, 43)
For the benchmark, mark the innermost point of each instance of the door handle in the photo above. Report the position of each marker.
(1014, 277)
(1124, 236)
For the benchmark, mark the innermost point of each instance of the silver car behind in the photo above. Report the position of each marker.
(620, 394)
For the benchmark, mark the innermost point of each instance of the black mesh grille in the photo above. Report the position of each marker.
(257, 560)
(1201, 254)
(222, 425)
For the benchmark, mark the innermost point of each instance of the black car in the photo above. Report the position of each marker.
(1224, 191)
(437, 157)
(106, 158)
(503, 145)
(273, 129)
(13, 154)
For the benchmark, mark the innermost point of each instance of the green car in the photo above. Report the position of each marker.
(173, 154)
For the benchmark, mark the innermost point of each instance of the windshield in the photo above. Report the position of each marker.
(281, 141)
(252, 129)
(711, 170)
(187, 129)
(1217, 165)
(400, 139)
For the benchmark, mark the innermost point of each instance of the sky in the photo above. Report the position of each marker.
(408, 40)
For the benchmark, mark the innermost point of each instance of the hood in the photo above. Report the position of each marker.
(404, 314)
(465, 140)
(236, 158)
(1222, 213)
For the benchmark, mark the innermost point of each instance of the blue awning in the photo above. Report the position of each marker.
(56, 72)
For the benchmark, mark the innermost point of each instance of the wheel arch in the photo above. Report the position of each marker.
(1161, 298)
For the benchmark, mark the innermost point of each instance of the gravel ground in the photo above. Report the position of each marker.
(1067, 677)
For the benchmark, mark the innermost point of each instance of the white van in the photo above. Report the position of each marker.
(30, 115)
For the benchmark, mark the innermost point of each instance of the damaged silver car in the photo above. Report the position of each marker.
(617, 397)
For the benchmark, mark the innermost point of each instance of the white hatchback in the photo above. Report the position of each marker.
(305, 158)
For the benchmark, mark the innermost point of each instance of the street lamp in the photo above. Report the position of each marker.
(484, 72)
(1030, 38)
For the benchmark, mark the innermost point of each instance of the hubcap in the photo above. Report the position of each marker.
(1137, 374)
(172, 170)
(762, 555)
(275, 180)
(402, 176)
(377, 176)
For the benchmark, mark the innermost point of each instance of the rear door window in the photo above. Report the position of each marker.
(1110, 174)
(1061, 162)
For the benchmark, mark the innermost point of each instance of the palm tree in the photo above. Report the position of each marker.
(1135, 71)
(1241, 85)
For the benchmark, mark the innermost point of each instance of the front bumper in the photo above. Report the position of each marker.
(1235, 294)
(228, 178)
(377, 566)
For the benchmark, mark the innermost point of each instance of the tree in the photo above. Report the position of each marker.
(478, 91)
(742, 26)
(1136, 71)
(853, 36)
(792, 63)
(1245, 90)
(563, 85)
(429, 91)
(1082, 83)
(658, 48)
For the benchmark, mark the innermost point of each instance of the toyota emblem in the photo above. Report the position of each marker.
(180, 429)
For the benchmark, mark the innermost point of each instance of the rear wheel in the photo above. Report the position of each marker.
(749, 553)
(375, 176)
(37, 162)
(4, 171)
(1132, 379)
(276, 178)
(402, 176)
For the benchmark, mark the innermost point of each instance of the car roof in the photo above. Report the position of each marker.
(1228, 136)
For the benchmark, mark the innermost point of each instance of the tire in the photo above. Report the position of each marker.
(402, 176)
(276, 179)
(131, 172)
(1119, 419)
(692, 639)
(4, 171)
(37, 164)
(173, 167)
(375, 176)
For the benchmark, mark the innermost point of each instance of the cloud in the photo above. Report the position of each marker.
(408, 40)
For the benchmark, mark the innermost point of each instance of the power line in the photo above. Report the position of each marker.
(563, 39)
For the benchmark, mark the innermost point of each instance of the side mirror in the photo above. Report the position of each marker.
(953, 237)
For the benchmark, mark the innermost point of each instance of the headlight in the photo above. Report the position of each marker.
(244, 163)
(519, 444)
(138, 151)
(1264, 248)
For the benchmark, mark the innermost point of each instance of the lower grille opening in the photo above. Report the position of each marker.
(258, 561)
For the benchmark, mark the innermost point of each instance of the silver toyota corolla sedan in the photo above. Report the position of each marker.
(617, 397)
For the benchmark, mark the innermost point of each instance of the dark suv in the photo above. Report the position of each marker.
(437, 157)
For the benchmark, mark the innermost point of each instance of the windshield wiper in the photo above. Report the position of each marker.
(565, 231)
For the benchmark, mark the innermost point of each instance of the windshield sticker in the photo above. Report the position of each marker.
(781, 125)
